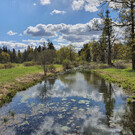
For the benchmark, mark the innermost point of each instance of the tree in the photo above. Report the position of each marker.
(46, 57)
(85, 53)
(5, 57)
(109, 35)
(71, 52)
(50, 45)
(19, 56)
(127, 19)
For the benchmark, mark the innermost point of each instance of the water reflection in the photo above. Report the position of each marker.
(78, 102)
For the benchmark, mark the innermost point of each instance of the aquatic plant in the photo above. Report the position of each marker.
(5, 119)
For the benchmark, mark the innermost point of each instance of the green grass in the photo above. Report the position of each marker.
(9, 75)
(126, 77)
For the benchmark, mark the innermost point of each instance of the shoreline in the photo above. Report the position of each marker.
(127, 85)
(9, 90)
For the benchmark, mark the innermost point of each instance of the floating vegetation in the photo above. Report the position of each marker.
(24, 123)
(5, 119)
(74, 108)
(81, 102)
(65, 128)
(64, 99)
(81, 109)
(51, 104)
(60, 116)
(73, 100)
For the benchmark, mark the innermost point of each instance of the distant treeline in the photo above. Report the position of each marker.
(29, 54)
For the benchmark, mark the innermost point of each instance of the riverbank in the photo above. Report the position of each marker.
(125, 78)
(20, 78)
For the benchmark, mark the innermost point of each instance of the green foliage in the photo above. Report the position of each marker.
(126, 77)
(67, 64)
(30, 63)
(129, 101)
(7, 66)
(68, 53)
(51, 68)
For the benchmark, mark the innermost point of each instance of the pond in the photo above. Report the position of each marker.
(73, 103)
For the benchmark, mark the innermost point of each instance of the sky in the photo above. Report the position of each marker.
(32, 22)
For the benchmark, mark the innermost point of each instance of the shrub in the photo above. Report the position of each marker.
(51, 68)
(2, 66)
(67, 64)
(30, 63)
(9, 65)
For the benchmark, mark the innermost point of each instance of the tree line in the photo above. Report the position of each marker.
(29, 54)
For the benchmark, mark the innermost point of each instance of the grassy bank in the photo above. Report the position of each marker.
(125, 78)
(19, 78)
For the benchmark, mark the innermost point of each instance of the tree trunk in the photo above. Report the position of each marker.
(109, 51)
(133, 35)
(44, 70)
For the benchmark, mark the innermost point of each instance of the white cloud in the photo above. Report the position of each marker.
(41, 30)
(77, 4)
(77, 34)
(11, 33)
(87, 5)
(70, 33)
(45, 2)
(35, 43)
(57, 12)
(13, 44)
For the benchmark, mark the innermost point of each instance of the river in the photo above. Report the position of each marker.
(71, 103)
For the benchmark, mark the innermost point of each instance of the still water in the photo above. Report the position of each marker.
(73, 103)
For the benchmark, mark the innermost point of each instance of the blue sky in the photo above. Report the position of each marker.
(32, 22)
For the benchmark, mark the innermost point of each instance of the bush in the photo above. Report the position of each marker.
(51, 68)
(67, 64)
(9, 65)
(30, 63)
(2, 66)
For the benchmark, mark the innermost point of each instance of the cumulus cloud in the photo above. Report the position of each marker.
(41, 30)
(70, 33)
(57, 12)
(35, 43)
(13, 44)
(77, 4)
(11, 33)
(45, 2)
(87, 5)
(63, 34)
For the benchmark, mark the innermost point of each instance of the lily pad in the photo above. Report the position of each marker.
(81, 109)
(63, 99)
(81, 102)
(73, 100)
(65, 128)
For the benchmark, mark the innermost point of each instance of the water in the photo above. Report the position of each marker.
(73, 103)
